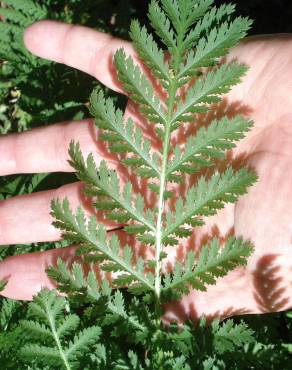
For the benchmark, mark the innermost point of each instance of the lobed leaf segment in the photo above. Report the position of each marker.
(53, 327)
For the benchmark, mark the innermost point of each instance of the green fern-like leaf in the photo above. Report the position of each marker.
(139, 87)
(28, 8)
(148, 50)
(108, 252)
(49, 355)
(209, 143)
(80, 344)
(229, 336)
(161, 24)
(204, 25)
(184, 13)
(172, 93)
(116, 310)
(207, 90)
(205, 199)
(215, 45)
(74, 282)
(13, 15)
(104, 182)
(213, 34)
(50, 329)
(211, 264)
(122, 136)
(8, 308)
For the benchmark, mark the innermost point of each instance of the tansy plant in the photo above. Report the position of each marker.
(171, 91)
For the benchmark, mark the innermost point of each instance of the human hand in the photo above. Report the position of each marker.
(262, 215)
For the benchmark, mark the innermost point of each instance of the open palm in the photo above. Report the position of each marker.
(263, 215)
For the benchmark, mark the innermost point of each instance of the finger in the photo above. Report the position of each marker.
(76, 46)
(26, 273)
(26, 218)
(46, 149)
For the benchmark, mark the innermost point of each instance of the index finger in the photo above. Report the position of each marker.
(80, 47)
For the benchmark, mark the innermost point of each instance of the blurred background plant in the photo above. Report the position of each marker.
(36, 92)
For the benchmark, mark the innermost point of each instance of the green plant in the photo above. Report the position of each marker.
(55, 328)
(130, 308)
(23, 107)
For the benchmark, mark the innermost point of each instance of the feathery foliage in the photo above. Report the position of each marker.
(211, 264)
(55, 329)
(196, 35)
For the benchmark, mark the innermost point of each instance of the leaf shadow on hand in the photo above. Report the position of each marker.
(269, 293)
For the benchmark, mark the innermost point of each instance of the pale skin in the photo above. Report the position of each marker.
(263, 215)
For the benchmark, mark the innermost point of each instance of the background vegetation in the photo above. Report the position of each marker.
(35, 92)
